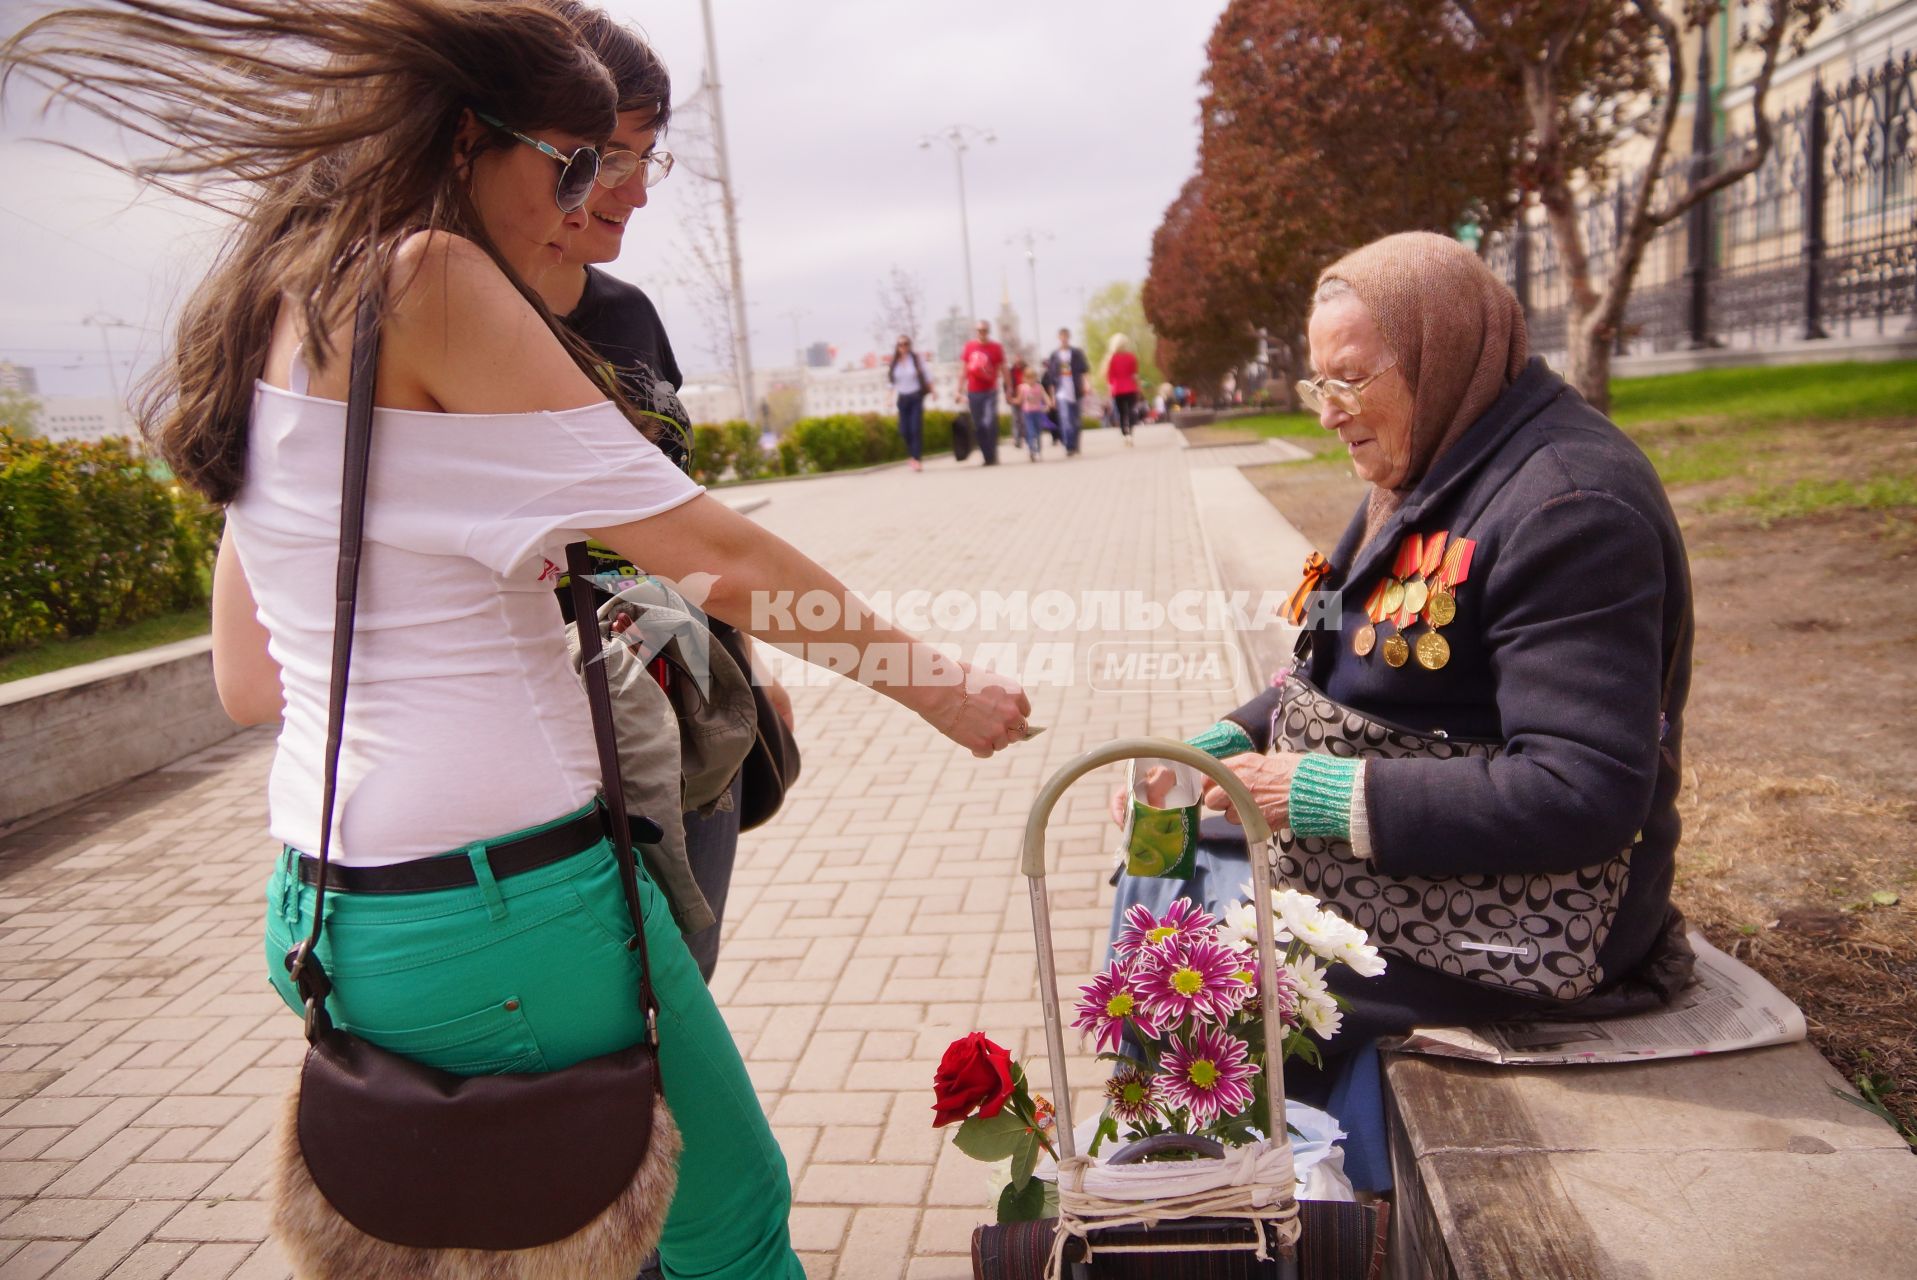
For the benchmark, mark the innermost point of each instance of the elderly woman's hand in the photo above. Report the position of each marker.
(1268, 777)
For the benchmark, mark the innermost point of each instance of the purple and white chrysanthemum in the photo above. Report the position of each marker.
(1132, 1094)
(1254, 995)
(1196, 977)
(1107, 1001)
(1143, 930)
(1209, 1074)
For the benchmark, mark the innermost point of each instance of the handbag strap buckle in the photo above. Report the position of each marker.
(310, 980)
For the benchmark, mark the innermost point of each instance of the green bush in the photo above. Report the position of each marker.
(791, 463)
(839, 442)
(711, 454)
(743, 449)
(90, 539)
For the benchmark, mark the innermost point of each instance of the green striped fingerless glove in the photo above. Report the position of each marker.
(1223, 739)
(1321, 794)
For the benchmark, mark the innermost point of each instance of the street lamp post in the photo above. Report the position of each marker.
(956, 137)
(1030, 239)
(741, 334)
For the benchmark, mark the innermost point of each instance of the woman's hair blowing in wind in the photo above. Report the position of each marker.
(326, 128)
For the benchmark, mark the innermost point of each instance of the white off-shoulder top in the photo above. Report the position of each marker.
(464, 720)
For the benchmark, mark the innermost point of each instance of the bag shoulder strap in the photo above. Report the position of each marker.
(302, 962)
(585, 612)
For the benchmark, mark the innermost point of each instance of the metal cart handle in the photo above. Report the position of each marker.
(1032, 863)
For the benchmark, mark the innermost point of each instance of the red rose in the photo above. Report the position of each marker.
(973, 1073)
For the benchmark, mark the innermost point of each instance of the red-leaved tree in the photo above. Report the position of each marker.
(1324, 127)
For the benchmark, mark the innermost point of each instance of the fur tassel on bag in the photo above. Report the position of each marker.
(323, 1245)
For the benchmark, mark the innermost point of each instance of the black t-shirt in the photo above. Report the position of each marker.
(622, 325)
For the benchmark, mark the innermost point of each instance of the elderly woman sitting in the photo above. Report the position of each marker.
(1475, 755)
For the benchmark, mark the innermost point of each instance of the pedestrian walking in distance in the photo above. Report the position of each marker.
(984, 362)
(1121, 378)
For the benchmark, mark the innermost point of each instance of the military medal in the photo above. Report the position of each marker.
(1396, 650)
(1433, 651)
(1393, 596)
(1398, 594)
(1417, 589)
(1367, 638)
(1441, 610)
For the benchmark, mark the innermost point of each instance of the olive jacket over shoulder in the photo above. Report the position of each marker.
(1571, 646)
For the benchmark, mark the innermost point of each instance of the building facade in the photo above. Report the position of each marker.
(18, 379)
(1820, 243)
(69, 418)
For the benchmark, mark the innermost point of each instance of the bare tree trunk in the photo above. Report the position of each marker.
(1591, 344)
(1595, 309)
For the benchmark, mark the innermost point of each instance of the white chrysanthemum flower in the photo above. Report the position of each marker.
(1318, 1013)
(1321, 1017)
(1308, 978)
(1361, 956)
(1239, 928)
(1321, 931)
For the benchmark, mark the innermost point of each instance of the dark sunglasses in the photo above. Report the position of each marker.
(578, 171)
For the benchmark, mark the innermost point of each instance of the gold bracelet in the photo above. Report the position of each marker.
(964, 698)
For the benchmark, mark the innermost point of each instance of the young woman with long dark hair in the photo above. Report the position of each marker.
(433, 156)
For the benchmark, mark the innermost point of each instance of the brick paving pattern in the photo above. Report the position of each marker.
(879, 917)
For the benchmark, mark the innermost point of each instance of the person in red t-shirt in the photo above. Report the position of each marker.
(984, 361)
(1121, 376)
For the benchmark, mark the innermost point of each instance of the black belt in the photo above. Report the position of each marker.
(507, 858)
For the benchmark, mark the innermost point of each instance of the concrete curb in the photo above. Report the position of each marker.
(69, 733)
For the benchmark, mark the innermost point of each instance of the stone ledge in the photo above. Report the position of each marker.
(69, 733)
(1694, 1167)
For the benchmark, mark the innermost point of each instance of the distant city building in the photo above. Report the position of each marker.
(711, 397)
(820, 355)
(869, 389)
(66, 418)
(18, 379)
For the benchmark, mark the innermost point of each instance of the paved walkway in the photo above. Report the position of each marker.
(879, 918)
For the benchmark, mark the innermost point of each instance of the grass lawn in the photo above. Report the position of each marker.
(1791, 393)
(1729, 424)
(1277, 424)
(59, 654)
(1765, 439)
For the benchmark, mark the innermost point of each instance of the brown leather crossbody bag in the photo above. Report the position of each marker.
(388, 1168)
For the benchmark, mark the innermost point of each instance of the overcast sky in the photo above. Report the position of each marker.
(1094, 103)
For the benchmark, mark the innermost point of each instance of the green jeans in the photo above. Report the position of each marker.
(531, 973)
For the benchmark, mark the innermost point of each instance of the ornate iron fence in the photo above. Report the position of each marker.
(1820, 241)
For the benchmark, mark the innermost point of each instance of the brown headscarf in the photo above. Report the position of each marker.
(1458, 333)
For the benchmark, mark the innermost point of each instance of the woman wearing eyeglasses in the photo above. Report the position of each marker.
(1475, 756)
(436, 159)
(621, 324)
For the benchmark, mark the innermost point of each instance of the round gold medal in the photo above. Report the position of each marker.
(1415, 594)
(1396, 650)
(1365, 641)
(1442, 608)
(1433, 651)
(1393, 597)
